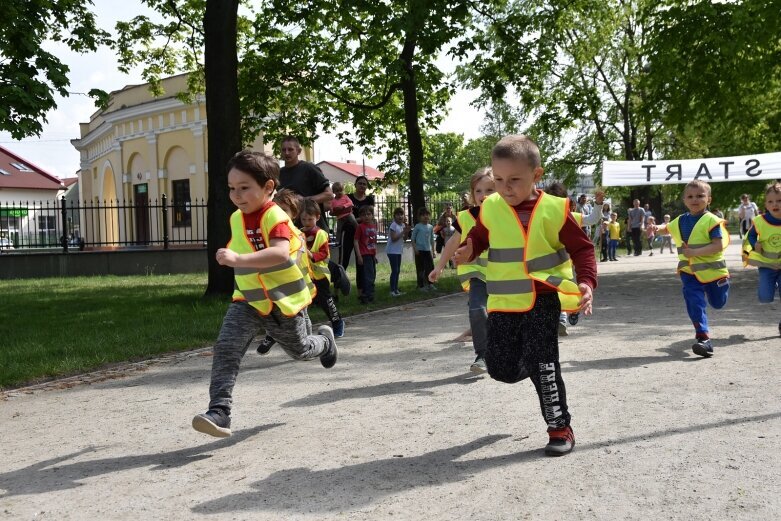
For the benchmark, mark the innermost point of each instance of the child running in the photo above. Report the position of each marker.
(650, 233)
(423, 245)
(665, 236)
(270, 289)
(763, 244)
(701, 238)
(365, 244)
(472, 274)
(532, 242)
(319, 254)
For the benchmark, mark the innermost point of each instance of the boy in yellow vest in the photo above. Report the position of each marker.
(319, 253)
(701, 238)
(763, 245)
(532, 242)
(270, 293)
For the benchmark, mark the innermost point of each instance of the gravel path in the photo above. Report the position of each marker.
(400, 430)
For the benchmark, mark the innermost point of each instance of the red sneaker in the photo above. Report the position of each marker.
(561, 441)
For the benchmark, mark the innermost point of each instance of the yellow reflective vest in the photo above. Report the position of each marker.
(706, 268)
(476, 268)
(769, 236)
(578, 218)
(303, 261)
(320, 269)
(517, 257)
(282, 285)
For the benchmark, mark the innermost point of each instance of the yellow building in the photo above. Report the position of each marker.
(136, 150)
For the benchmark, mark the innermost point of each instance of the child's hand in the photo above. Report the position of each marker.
(434, 275)
(587, 299)
(359, 260)
(226, 257)
(464, 253)
(758, 247)
(687, 252)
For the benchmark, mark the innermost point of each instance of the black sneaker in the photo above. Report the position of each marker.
(703, 347)
(265, 345)
(328, 358)
(560, 441)
(214, 422)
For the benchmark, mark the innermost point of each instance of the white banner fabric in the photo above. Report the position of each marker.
(756, 167)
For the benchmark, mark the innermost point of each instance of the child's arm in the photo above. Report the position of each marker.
(433, 247)
(715, 246)
(358, 257)
(753, 239)
(277, 253)
(414, 237)
(450, 248)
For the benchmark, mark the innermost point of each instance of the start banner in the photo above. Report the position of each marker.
(756, 167)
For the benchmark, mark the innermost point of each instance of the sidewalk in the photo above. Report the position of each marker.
(400, 430)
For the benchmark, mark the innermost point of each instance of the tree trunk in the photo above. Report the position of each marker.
(412, 127)
(224, 130)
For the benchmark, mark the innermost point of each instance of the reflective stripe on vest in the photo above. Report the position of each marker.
(476, 268)
(518, 257)
(281, 285)
(769, 237)
(706, 268)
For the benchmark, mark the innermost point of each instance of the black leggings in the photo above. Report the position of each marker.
(523, 345)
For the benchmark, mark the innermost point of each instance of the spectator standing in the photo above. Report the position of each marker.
(304, 178)
(746, 212)
(366, 253)
(395, 248)
(636, 222)
(359, 199)
(423, 244)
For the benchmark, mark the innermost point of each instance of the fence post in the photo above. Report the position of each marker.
(64, 215)
(165, 222)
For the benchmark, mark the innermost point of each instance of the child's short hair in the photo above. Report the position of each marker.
(666, 216)
(558, 189)
(337, 187)
(258, 165)
(773, 188)
(651, 218)
(697, 183)
(519, 148)
(366, 210)
(613, 214)
(290, 200)
(398, 211)
(310, 207)
(423, 211)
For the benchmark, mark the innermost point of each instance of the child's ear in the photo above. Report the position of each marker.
(270, 186)
(538, 173)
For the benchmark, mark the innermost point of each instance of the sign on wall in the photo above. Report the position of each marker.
(756, 167)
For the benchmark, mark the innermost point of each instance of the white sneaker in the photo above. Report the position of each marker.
(563, 329)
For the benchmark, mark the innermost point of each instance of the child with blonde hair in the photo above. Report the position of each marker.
(701, 238)
(665, 236)
(472, 274)
(763, 245)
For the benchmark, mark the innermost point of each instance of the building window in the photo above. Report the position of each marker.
(181, 203)
(47, 230)
(4, 172)
(21, 167)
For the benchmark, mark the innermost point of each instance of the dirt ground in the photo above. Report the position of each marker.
(400, 429)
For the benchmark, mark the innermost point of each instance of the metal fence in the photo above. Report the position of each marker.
(71, 225)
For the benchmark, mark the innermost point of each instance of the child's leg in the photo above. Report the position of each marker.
(346, 249)
(240, 325)
(717, 293)
(325, 301)
(294, 336)
(394, 259)
(502, 355)
(428, 266)
(769, 284)
(419, 269)
(369, 274)
(694, 297)
(478, 316)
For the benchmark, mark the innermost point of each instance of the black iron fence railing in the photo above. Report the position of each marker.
(79, 225)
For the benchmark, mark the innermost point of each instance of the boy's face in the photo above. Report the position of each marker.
(773, 204)
(425, 218)
(515, 179)
(613, 218)
(338, 191)
(308, 221)
(246, 193)
(399, 218)
(448, 222)
(696, 199)
(367, 218)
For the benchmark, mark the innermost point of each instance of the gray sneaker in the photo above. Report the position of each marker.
(328, 358)
(214, 422)
(478, 366)
(563, 328)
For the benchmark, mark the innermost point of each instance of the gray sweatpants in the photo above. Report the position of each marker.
(240, 325)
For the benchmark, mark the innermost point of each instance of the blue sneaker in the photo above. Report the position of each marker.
(339, 329)
(703, 347)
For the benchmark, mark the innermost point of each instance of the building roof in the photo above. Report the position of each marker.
(68, 181)
(355, 170)
(19, 173)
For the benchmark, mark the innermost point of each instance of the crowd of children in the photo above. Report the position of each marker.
(521, 253)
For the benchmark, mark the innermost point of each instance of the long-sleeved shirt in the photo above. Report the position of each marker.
(575, 241)
(752, 233)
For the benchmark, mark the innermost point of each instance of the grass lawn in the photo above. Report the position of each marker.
(60, 326)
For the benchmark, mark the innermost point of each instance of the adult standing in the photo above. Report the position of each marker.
(304, 178)
(636, 222)
(746, 212)
(584, 209)
(359, 199)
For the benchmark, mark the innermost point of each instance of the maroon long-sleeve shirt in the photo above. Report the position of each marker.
(574, 239)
